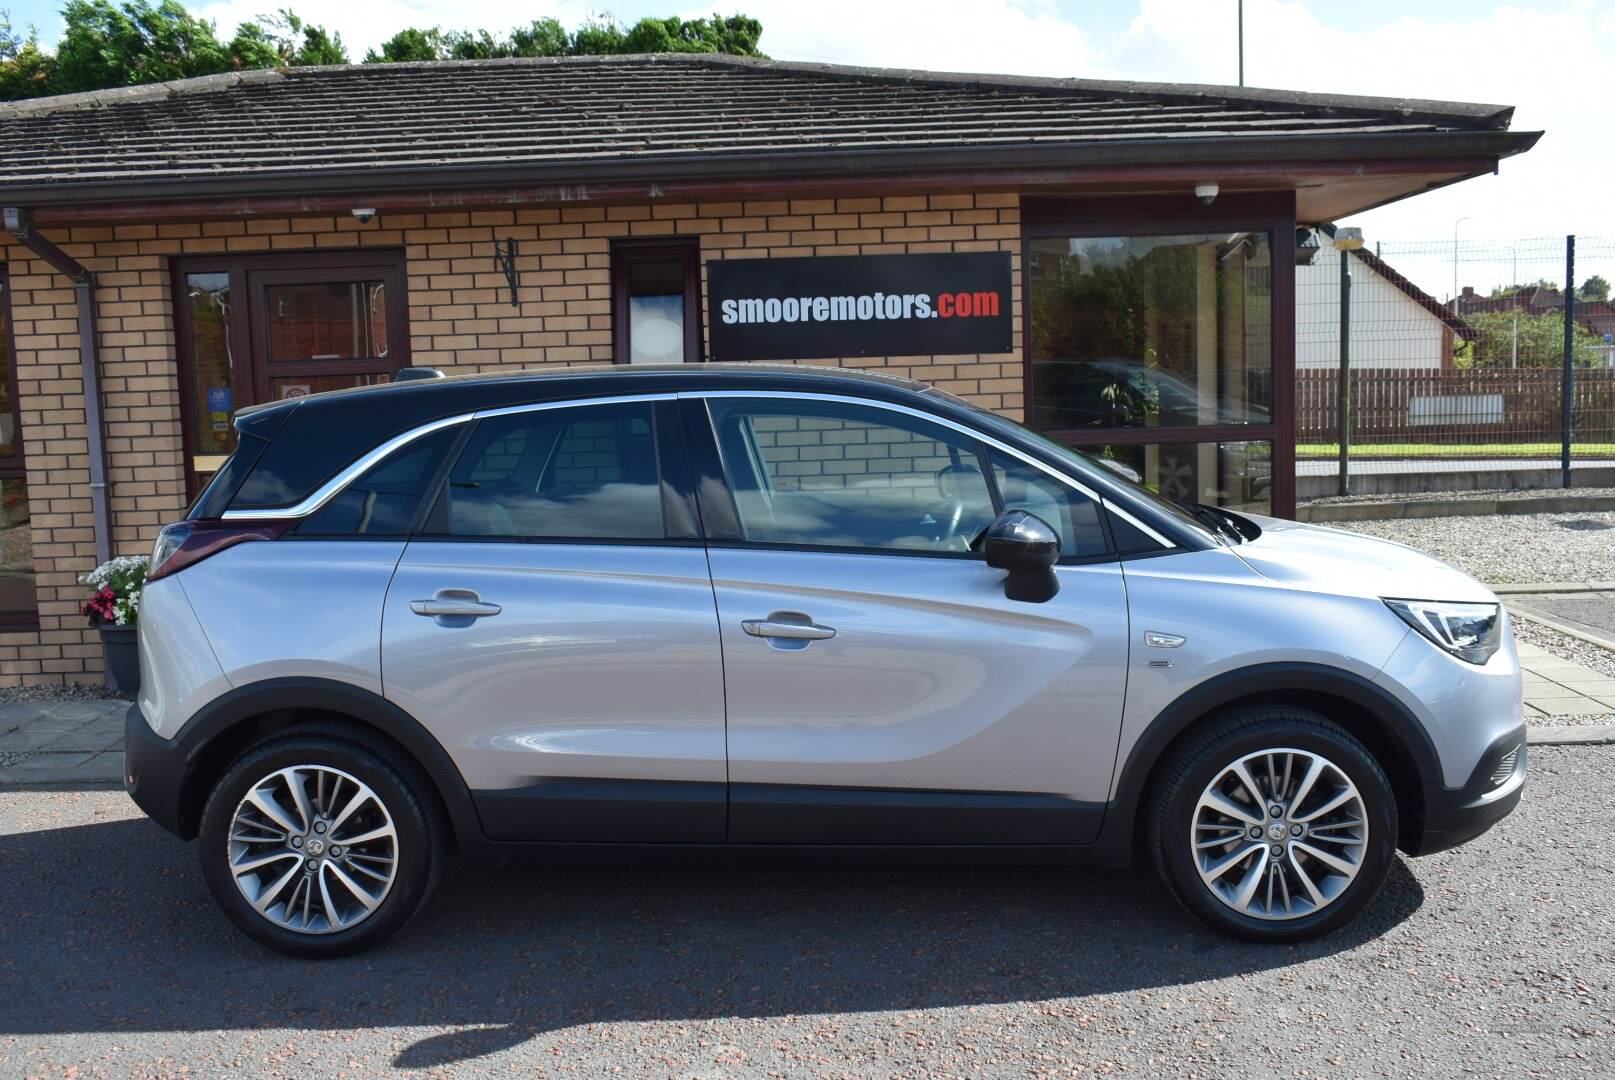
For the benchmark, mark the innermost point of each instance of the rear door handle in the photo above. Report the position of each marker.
(454, 604)
(791, 625)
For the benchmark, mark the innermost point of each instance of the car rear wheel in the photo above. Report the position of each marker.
(320, 844)
(1275, 824)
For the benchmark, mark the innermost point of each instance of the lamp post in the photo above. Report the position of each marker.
(1455, 225)
(1241, 42)
(1346, 241)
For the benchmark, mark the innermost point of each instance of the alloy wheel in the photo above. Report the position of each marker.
(313, 849)
(1279, 834)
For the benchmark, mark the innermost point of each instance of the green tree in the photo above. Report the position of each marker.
(410, 44)
(542, 37)
(597, 36)
(1537, 340)
(107, 45)
(1594, 288)
(111, 43)
(25, 70)
(296, 43)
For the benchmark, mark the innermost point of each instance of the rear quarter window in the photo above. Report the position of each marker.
(385, 499)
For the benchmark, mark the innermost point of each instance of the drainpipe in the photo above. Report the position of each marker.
(18, 225)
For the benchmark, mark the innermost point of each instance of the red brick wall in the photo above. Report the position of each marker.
(460, 318)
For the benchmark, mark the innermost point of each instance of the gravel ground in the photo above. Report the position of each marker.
(1460, 496)
(1497, 959)
(1511, 548)
(56, 692)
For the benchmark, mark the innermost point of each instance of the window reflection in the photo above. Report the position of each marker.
(213, 389)
(1151, 331)
(584, 473)
(841, 476)
(1238, 475)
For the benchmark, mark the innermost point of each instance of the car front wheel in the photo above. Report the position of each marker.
(1274, 825)
(317, 844)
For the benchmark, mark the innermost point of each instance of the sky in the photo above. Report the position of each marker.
(1553, 61)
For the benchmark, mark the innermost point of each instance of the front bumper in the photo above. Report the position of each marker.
(154, 770)
(1454, 816)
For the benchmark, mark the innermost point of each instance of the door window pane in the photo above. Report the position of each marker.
(303, 385)
(211, 315)
(656, 311)
(332, 320)
(1238, 475)
(1151, 331)
(845, 476)
(383, 501)
(1071, 513)
(585, 473)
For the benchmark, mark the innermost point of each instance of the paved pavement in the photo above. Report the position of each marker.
(62, 742)
(1497, 959)
(1559, 687)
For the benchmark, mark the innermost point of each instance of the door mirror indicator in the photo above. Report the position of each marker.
(1028, 547)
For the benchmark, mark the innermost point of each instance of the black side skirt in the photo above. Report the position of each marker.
(658, 812)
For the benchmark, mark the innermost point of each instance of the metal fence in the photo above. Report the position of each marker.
(1462, 358)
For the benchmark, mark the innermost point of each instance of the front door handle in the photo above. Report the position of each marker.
(454, 604)
(790, 625)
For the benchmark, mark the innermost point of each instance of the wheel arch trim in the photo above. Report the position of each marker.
(226, 713)
(1229, 687)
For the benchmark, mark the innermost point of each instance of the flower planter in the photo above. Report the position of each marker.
(122, 647)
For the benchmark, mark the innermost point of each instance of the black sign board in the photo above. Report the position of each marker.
(859, 305)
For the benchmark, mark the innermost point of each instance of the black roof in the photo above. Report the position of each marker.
(577, 119)
(312, 438)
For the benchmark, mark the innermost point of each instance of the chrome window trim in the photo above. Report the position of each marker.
(334, 486)
(964, 429)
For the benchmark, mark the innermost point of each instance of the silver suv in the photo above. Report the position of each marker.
(747, 607)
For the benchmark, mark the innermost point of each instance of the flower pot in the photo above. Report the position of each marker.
(121, 645)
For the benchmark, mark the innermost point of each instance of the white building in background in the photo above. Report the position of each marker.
(1394, 323)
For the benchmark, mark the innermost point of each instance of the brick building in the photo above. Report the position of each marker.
(175, 252)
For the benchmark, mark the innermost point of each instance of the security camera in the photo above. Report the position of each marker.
(1206, 193)
(364, 215)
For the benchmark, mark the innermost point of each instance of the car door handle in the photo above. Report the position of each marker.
(454, 603)
(787, 624)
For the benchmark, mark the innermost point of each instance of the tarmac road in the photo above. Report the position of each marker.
(1494, 960)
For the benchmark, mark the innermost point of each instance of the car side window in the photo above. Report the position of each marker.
(384, 499)
(841, 475)
(1071, 513)
(588, 472)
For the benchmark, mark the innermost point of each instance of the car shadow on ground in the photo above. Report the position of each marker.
(108, 928)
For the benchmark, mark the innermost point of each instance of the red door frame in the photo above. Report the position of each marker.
(1272, 213)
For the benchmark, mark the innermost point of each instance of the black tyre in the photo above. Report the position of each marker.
(1274, 824)
(321, 843)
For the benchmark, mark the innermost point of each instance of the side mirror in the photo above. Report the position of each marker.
(1026, 546)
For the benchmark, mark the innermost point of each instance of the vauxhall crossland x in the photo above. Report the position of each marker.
(750, 607)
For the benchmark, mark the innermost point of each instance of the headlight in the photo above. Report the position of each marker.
(1471, 632)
